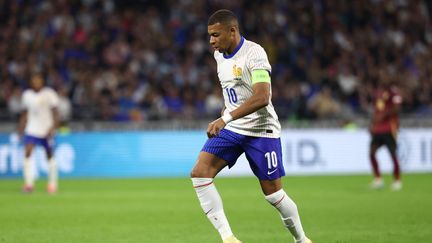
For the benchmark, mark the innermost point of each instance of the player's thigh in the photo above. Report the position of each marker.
(29, 149)
(48, 145)
(218, 152)
(391, 143)
(207, 165)
(265, 157)
(376, 143)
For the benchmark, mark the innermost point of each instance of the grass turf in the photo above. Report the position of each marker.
(334, 209)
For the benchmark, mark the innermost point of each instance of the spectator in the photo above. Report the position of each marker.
(91, 47)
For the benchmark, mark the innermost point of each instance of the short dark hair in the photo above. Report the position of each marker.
(223, 16)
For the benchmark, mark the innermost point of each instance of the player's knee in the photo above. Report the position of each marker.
(201, 172)
(28, 153)
(195, 173)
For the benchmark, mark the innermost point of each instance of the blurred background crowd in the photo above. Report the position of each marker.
(150, 60)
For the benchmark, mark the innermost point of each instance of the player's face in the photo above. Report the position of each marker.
(222, 37)
(37, 82)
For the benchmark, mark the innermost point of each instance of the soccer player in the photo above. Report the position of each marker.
(38, 122)
(384, 127)
(248, 125)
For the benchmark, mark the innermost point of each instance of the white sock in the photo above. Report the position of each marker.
(289, 214)
(28, 172)
(211, 203)
(52, 172)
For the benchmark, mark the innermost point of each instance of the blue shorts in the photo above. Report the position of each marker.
(264, 154)
(44, 142)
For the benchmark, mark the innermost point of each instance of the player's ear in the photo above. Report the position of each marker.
(233, 31)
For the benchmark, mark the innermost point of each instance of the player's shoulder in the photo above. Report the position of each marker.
(251, 45)
(394, 90)
(48, 90)
(254, 49)
(27, 92)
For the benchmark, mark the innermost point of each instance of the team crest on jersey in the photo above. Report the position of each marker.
(380, 104)
(237, 71)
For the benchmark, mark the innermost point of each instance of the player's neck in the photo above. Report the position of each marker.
(234, 46)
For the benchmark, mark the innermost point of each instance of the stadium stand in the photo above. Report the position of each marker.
(150, 60)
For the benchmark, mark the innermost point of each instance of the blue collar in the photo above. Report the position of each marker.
(236, 50)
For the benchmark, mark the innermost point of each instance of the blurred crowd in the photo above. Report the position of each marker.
(150, 60)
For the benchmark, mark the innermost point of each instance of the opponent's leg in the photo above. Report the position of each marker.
(288, 211)
(205, 169)
(397, 183)
(377, 181)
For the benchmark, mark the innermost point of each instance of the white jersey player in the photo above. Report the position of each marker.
(235, 74)
(38, 122)
(248, 125)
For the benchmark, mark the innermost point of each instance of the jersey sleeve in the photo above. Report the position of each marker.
(396, 98)
(257, 59)
(24, 100)
(53, 98)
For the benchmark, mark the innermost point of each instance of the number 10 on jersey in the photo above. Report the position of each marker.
(232, 96)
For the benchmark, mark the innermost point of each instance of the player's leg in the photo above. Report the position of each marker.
(206, 168)
(211, 160)
(52, 166)
(377, 182)
(28, 166)
(265, 158)
(392, 147)
(278, 198)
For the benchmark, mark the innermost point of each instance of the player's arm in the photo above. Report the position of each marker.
(260, 98)
(56, 121)
(223, 110)
(261, 86)
(22, 122)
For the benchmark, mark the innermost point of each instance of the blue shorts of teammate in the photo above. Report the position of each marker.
(264, 154)
(47, 143)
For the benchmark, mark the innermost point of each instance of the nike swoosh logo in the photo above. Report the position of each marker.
(271, 172)
(208, 211)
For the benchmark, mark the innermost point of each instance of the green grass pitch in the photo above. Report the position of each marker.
(334, 209)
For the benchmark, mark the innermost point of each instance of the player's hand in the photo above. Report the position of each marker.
(20, 134)
(215, 127)
(370, 128)
(51, 132)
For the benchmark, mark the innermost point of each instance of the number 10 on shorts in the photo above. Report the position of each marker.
(272, 161)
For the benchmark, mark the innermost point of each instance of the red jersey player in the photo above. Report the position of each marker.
(384, 127)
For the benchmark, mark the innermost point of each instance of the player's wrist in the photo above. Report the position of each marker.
(227, 118)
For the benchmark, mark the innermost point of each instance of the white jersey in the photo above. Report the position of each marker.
(39, 107)
(235, 75)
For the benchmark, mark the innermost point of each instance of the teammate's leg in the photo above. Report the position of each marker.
(28, 172)
(277, 197)
(205, 169)
(52, 168)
